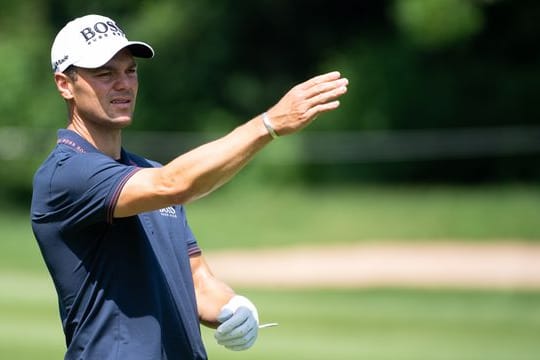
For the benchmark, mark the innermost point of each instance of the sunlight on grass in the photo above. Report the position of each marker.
(30, 326)
(323, 324)
(240, 217)
(392, 324)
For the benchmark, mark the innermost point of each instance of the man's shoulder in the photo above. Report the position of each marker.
(137, 160)
(60, 157)
(69, 168)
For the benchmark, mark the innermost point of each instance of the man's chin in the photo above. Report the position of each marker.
(123, 125)
(121, 122)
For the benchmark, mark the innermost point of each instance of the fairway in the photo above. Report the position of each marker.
(394, 324)
(368, 323)
(388, 324)
(30, 327)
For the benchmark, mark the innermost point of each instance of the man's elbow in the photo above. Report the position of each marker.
(175, 190)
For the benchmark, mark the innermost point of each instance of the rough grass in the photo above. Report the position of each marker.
(237, 217)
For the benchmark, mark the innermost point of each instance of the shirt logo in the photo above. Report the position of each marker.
(168, 212)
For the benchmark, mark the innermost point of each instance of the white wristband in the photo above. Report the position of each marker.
(268, 125)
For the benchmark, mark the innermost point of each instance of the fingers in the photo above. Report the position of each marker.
(323, 89)
(319, 79)
(304, 102)
(328, 84)
(233, 322)
(239, 332)
(224, 315)
(326, 91)
(241, 344)
(320, 96)
(321, 108)
(329, 93)
(239, 324)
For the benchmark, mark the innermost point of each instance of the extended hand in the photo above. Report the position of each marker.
(239, 324)
(301, 105)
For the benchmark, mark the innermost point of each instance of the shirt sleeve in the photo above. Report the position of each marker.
(85, 188)
(191, 242)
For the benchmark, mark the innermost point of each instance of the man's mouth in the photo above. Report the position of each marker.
(121, 101)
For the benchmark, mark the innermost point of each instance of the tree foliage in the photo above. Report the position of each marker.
(412, 64)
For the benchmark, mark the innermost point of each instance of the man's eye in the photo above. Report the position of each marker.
(103, 74)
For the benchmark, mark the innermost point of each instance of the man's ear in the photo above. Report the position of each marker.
(64, 85)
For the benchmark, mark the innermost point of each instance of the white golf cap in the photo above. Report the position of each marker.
(90, 42)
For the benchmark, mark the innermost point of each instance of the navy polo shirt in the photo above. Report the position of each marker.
(124, 285)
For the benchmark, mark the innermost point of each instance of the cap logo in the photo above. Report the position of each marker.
(57, 63)
(100, 30)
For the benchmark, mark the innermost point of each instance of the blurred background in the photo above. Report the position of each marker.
(437, 140)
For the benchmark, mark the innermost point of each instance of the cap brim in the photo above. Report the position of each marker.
(141, 49)
(137, 49)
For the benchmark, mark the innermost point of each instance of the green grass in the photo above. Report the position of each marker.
(18, 248)
(393, 324)
(238, 217)
(234, 217)
(30, 327)
(323, 324)
(388, 324)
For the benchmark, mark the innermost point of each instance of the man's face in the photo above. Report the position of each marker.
(106, 96)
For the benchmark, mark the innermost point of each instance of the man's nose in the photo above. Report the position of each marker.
(123, 81)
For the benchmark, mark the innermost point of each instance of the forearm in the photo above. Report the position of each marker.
(211, 293)
(209, 166)
(193, 174)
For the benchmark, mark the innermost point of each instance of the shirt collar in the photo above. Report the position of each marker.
(75, 141)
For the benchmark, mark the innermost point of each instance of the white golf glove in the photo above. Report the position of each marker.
(239, 324)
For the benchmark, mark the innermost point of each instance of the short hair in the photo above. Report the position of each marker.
(71, 72)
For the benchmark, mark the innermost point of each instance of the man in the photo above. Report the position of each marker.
(132, 282)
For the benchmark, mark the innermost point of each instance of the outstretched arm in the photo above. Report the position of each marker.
(202, 170)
